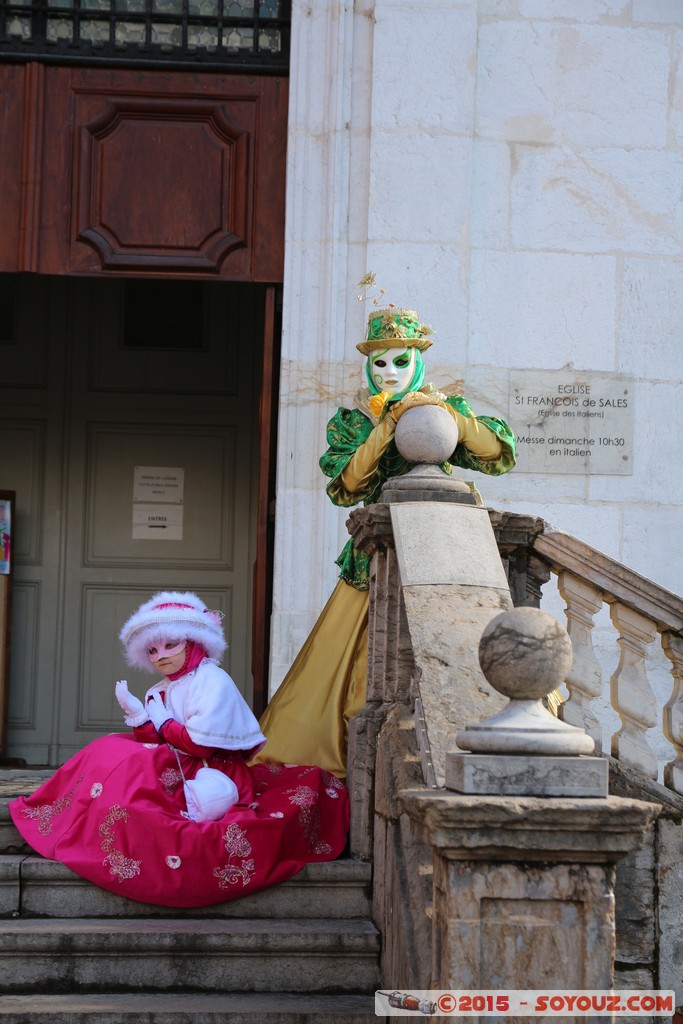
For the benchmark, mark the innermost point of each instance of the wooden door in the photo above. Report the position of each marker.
(155, 381)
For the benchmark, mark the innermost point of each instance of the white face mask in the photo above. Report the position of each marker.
(392, 369)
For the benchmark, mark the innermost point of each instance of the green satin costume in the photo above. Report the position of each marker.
(347, 431)
(306, 722)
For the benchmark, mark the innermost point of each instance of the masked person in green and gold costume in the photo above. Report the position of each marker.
(306, 722)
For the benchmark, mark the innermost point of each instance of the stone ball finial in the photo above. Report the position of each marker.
(525, 653)
(426, 434)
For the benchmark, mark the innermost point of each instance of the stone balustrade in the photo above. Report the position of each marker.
(640, 610)
(650, 882)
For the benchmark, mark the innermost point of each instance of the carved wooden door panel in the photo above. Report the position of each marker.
(142, 172)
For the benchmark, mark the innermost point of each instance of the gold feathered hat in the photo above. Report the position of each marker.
(395, 328)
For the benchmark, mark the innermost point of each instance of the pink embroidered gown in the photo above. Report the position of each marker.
(115, 813)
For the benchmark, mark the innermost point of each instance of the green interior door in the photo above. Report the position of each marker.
(129, 432)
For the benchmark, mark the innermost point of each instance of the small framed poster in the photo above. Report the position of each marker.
(7, 505)
(6, 529)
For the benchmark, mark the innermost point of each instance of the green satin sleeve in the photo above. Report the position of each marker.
(354, 566)
(467, 460)
(346, 432)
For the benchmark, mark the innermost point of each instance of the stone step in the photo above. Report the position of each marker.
(15, 783)
(52, 955)
(33, 887)
(160, 1008)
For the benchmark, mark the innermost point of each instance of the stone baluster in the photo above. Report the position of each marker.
(673, 711)
(381, 642)
(632, 696)
(585, 676)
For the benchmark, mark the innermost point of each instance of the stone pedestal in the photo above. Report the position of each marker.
(510, 775)
(523, 887)
(427, 483)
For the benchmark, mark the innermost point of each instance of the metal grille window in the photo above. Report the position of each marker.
(212, 32)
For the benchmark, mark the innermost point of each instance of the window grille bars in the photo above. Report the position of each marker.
(216, 33)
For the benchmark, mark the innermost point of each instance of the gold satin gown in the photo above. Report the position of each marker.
(307, 719)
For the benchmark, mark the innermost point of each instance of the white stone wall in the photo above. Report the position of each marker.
(577, 238)
(512, 169)
(576, 245)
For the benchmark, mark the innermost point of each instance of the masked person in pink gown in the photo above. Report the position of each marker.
(170, 813)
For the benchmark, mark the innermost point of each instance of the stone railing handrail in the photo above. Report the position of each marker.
(640, 610)
(616, 581)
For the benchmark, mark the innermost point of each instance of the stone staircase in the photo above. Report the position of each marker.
(301, 952)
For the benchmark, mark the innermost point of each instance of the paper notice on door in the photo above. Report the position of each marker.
(157, 522)
(158, 483)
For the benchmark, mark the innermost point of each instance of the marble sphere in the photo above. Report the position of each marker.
(525, 653)
(426, 434)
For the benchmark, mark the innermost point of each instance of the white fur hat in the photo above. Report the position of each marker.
(172, 616)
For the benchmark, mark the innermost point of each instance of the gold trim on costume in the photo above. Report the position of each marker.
(237, 845)
(44, 815)
(308, 802)
(119, 865)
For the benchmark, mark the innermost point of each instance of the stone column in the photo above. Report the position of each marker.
(524, 853)
(328, 154)
(526, 574)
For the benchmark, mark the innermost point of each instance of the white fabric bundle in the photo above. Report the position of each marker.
(209, 795)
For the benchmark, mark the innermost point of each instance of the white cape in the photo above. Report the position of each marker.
(212, 709)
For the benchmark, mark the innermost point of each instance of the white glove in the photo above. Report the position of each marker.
(157, 711)
(132, 707)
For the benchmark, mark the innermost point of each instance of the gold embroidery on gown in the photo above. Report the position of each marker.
(119, 865)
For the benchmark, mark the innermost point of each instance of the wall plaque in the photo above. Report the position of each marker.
(570, 421)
